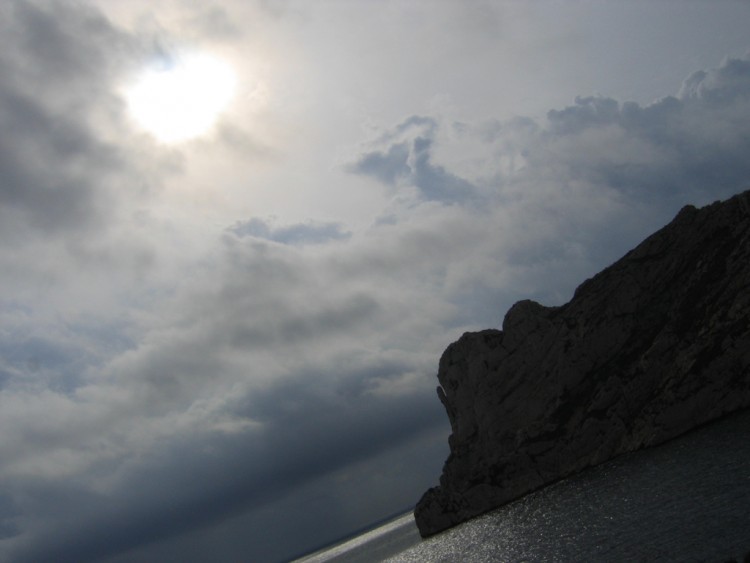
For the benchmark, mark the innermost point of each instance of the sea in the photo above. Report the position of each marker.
(686, 500)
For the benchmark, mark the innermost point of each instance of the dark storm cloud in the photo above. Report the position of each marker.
(54, 41)
(8, 514)
(695, 143)
(280, 424)
(34, 143)
(298, 234)
(682, 145)
(202, 479)
(261, 378)
(51, 162)
(293, 328)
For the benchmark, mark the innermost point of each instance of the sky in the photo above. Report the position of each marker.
(224, 292)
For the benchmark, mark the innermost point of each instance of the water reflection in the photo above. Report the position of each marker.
(684, 501)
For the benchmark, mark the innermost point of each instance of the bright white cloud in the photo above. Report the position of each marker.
(181, 98)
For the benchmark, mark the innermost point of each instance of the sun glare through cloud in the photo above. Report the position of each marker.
(182, 99)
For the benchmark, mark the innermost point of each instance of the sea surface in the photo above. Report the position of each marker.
(687, 500)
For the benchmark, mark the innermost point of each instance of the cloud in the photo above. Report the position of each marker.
(35, 144)
(728, 83)
(74, 174)
(54, 166)
(312, 232)
(691, 143)
(670, 148)
(407, 161)
(214, 22)
(199, 479)
(219, 409)
(387, 167)
(175, 391)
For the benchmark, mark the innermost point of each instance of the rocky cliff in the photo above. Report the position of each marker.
(651, 347)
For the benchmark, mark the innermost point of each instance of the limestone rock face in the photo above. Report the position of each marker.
(654, 345)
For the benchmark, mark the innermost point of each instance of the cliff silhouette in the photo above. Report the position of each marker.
(651, 347)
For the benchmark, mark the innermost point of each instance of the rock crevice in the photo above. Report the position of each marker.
(649, 348)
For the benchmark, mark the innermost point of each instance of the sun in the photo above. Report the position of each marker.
(181, 99)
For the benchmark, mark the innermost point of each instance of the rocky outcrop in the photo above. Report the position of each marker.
(651, 347)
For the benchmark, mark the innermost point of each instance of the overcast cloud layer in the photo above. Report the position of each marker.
(226, 350)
